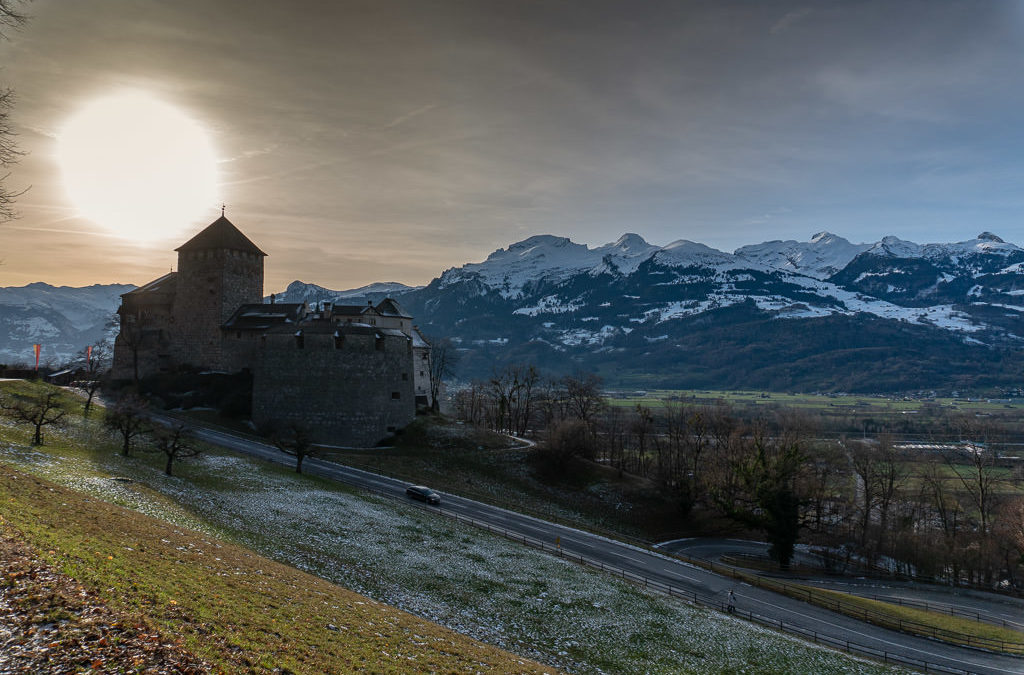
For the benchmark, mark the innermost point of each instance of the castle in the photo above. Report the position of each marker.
(348, 375)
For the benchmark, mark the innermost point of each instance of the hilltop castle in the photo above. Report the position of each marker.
(347, 374)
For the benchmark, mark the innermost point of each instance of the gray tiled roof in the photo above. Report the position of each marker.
(220, 234)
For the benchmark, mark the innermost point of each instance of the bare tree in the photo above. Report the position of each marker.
(514, 392)
(94, 366)
(470, 403)
(443, 359)
(981, 478)
(40, 411)
(583, 393)
(10, 17)
(128, 418)
(295, 442)
(175, 443)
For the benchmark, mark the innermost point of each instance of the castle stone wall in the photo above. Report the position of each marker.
(352, 391)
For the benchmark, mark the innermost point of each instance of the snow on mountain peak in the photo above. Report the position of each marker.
(821, 257)
(685, 253)
(894, 247)
(631, 242)
(985, 243)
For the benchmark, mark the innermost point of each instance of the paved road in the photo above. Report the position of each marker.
(685, 578)
(989, 607)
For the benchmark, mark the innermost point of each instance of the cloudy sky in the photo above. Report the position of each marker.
(379, 140)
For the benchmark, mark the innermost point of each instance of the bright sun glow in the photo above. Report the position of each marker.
(138, 167)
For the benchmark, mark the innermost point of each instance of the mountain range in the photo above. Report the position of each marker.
(63, 319)
(824, 314)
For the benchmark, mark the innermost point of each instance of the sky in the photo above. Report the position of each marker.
(388, 140)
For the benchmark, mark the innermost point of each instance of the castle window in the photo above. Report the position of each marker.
(396, 395)
(405, 377)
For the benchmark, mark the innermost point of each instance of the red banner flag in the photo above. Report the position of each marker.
(37, 348)
(88, 357)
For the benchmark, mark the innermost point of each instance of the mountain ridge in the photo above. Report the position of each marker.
(569, 305)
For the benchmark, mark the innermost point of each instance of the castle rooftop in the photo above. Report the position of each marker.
(220, 234)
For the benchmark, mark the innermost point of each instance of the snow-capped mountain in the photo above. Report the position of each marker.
(62, 319)
(631, 306)
(821, 257)
(821, 314)
(546, 258)
(298, 291)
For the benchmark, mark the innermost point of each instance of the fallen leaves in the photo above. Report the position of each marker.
(50, 624)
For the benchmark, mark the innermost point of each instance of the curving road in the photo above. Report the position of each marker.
(685, 579)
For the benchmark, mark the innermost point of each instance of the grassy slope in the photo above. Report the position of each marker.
(227, 604)
(480, 585)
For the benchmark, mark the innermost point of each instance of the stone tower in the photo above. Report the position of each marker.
(218, 270)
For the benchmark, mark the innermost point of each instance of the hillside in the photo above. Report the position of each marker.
(480, 585)
(222, 602)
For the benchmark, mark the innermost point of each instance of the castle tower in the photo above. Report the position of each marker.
(218, 270)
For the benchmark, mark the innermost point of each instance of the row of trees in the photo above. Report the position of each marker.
(48, 408)
(956, 514)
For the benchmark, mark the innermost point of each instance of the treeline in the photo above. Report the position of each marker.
(955, 514)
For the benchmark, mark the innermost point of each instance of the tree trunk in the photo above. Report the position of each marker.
(37, 439)
(170, 461)
(298, 462)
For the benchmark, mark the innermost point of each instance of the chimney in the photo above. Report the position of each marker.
(273, 297)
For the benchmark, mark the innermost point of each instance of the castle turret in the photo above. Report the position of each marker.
(219, 269)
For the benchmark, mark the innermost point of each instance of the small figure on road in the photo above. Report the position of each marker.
(732, 602)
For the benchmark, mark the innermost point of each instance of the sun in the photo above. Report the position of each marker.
(137, 166)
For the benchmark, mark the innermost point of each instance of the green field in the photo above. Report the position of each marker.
(813, 402)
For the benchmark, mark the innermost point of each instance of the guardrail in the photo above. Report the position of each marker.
(740, 561)
(949, 609)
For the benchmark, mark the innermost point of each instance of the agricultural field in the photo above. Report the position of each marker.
(812, 402)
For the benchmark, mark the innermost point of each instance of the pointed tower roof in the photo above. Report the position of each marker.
(220, 234)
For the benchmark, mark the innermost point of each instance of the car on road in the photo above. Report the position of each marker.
(423, 494)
